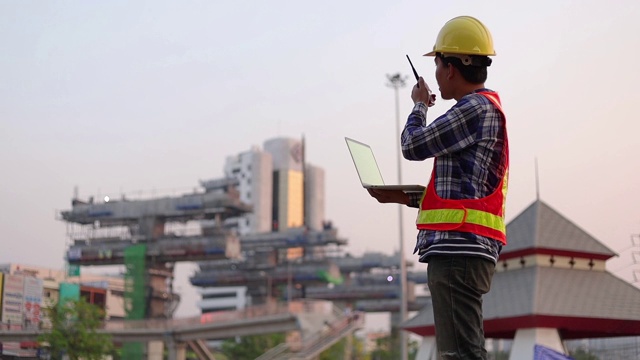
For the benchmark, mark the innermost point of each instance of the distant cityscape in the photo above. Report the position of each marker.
(259, 235)
(265, 249)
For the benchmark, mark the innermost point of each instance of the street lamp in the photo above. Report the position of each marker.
(397, 81)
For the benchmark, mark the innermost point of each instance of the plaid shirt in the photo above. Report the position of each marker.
(467, 141)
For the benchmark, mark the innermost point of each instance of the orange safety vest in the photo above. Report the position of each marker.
(484, 216)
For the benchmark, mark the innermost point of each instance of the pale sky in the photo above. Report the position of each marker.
(124, 96)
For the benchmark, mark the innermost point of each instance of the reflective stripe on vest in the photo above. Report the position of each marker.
(466, 215)
(458, 217)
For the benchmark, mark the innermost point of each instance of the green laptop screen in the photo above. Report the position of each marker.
(365, 163)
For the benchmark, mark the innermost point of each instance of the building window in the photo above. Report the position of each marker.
(224, 295)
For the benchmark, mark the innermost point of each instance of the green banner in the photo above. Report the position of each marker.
(73, 270)
(326, 276)
(68, 292)
(135, 283)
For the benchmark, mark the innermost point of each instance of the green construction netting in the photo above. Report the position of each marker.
(134, 294)
(135, 281)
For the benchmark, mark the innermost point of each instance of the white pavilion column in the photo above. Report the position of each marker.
(526, 339)
(427, 349)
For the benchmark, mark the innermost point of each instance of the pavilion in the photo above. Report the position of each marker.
(550, 285)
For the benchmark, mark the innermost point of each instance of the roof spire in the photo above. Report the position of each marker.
(537, 181)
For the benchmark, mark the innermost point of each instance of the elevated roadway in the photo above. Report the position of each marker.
(304, 317)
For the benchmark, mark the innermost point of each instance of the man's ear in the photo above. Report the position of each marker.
(451, 71)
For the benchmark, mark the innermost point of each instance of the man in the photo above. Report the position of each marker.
(461, 217)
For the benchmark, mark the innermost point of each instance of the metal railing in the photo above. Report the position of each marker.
(294, 307)
(311, 346)
(275, 352)
(321, 341)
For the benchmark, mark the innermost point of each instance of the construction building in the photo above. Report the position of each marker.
(301, 253)
(259, 232)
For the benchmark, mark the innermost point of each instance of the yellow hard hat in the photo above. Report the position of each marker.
(464, 35)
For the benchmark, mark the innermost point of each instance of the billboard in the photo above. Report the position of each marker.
(12, 305)
(32, 301)
(13, 301)
(68, 292)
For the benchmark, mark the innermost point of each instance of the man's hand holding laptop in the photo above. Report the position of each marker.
(389, 196)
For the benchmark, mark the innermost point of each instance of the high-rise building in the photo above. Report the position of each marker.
(288, 182)
(314, 199)
(284, 193)
(253, 170)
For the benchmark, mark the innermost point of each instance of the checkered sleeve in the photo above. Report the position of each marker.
(450, 133)
(414, 199)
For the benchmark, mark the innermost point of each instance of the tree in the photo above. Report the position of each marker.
(498, 355)
(582, 354)
(73, 331)
(337, 351)
(250, 347)
(387, 348)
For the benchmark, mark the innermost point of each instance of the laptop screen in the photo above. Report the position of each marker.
(365, 162)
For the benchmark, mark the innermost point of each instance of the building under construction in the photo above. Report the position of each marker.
(260, 227)
(133, 233)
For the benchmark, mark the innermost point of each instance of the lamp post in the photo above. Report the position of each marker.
(397, 81)
(289, 280)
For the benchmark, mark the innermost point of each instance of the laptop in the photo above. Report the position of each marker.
(368, 171)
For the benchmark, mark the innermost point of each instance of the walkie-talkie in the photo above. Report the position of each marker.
(415, 73)
(432, 97)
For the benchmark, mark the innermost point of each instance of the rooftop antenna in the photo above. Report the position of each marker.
(304, 183)
(537, 181)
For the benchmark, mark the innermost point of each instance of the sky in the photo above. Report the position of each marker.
(152, 96)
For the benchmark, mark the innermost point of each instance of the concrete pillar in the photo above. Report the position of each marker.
(526, 339)
(177, 351)
(155, 350)
(181, 353)
(428, 349)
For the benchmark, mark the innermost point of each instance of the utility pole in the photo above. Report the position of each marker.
(288, 282)
(397, 81)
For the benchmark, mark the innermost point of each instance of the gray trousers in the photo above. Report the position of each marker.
(457, 284)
